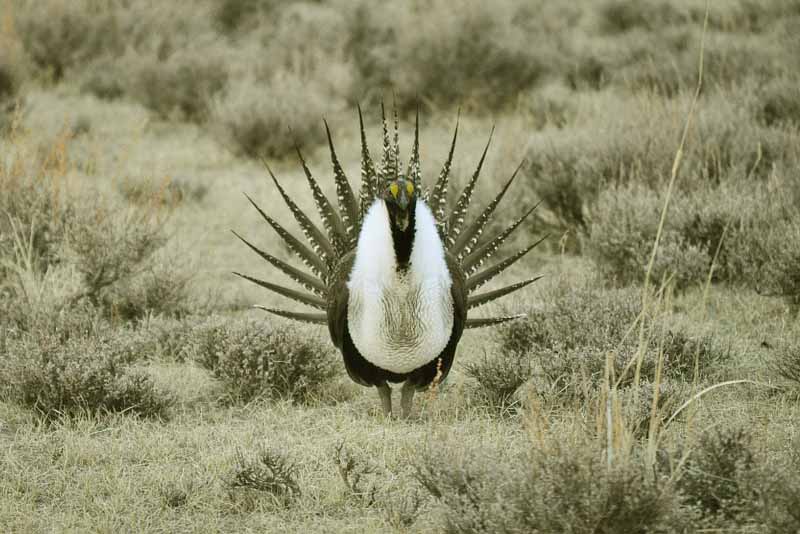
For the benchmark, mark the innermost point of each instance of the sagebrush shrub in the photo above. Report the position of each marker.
(107, 247)
(59, 247)
(489, 52)
(573, 314)
(30, 207)
(566, 489)
(229, 15)
(623, 230)
(105, 79)
(498, 377)
(266, 119)
(780, 103)
(61, 35)
(633, 144)
(786, 362)
(160, 288)
(71, 373)
(563, 344)
(258, 360)
(12, 76)
(751, 232)
(181, 85)
(715, 478)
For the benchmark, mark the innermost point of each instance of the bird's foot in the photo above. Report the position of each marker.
(407, 399)
(385, 393)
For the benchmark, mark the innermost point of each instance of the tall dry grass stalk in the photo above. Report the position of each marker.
(618, 434)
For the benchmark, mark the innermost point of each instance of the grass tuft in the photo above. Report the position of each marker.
(267, 471)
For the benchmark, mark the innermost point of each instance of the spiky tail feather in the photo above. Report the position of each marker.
(311, 318)
(456, 219)
(333, 224)
(491, 321)
(347, 200)
(319, 243)
(438, 198)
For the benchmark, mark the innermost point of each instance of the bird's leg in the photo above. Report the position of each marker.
(385, 393)
(407, 399)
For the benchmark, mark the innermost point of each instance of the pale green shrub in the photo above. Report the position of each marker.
(257, 120)
(255, 360)
(489, 52)
(71, 373)
(60, 36)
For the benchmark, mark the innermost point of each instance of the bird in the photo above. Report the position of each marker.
(391, 272)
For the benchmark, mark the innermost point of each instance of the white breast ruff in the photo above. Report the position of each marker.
(399, 322)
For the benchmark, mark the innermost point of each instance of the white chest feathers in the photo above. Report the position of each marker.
(399, 321)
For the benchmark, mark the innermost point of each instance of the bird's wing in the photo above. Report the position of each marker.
(338, 295)
(459, 293)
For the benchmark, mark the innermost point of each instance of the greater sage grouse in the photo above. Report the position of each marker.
(392, 274)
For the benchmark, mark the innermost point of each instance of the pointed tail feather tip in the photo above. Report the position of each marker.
(478, 300)
(492, 321)
(309, 318)
(293, 294)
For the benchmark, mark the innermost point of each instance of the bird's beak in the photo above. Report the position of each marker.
(402, 219)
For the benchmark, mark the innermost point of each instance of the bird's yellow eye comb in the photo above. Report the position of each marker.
(394, 189)
(410, 188)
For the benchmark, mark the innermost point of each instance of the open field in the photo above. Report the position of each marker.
(140, 391)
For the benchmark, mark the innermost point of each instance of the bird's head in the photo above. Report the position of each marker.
(400, 196)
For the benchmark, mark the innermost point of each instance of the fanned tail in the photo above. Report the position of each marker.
(341, 226)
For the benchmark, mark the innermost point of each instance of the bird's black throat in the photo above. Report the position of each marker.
(403, 240)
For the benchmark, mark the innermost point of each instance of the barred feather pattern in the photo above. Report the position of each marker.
(438, 198)
(396, 143)
(333, 224)
(306, 255)
(475, 259)
(413, 172)
(388, 166)
(319, 243)
(469, 238)
(345, 196)
(369, 183)
(456, 219)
